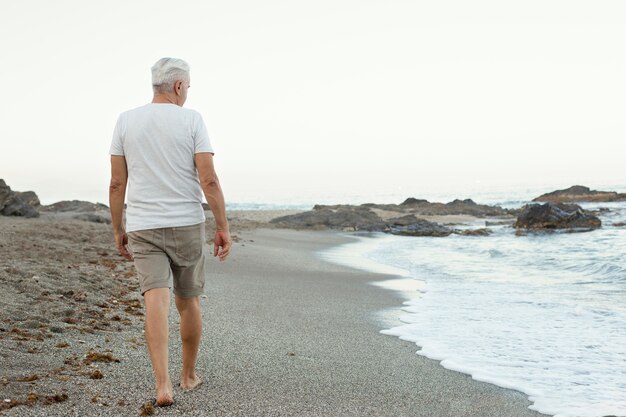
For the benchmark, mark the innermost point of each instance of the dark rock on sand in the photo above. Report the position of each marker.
(351, 218)
(421, 227)
(75, 205)
(12, 204)
(580, 193)
(29, 197)
(556, 216)
(94, 218)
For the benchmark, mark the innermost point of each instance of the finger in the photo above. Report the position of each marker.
(225, 251)
(216, 248)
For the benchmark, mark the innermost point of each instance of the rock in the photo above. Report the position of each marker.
(556, 216)
(403, 221)
(92, 217)
(31, 324)
(342, 218)
(413, 201)
(11, 204)
(75, 205)
(499, 222)
(425, 208)
(580, 193)
(421, 228)
(29, 197)
(474, 232)
(467, 206)
(347, 217)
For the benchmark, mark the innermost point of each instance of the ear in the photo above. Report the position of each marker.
(178, 87)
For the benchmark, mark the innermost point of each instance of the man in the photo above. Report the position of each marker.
(163, 151)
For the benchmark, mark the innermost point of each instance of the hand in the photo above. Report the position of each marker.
(221, 244)
(121, 241)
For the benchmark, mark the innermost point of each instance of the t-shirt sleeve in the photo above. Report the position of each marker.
(117, 143)
(201, 141)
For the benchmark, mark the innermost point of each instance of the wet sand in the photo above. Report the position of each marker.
(285, 334)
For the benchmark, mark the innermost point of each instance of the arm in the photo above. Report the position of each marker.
(214, 196)
(117, 191)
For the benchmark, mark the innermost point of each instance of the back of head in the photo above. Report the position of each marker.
(166, 71)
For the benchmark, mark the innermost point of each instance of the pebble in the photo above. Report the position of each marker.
(31, 324)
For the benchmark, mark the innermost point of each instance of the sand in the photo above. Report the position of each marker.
(285, 334)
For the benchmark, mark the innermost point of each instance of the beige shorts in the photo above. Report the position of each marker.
(171, 254)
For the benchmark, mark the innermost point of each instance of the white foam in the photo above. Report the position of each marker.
(545, 316)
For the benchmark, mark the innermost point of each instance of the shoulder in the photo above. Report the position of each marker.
(193, 114)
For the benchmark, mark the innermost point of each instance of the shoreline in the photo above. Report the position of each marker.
(400, 282)
(285, 333)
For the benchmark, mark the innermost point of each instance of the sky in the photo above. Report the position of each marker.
(325, 100)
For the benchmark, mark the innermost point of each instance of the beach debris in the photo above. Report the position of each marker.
(29, 378)
(550, 216)
(93, 356)
(97, 374)
(55, 398)
(147, 409)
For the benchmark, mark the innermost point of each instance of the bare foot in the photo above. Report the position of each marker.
(190, 383)
(165, 396)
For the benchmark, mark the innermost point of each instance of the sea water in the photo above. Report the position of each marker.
(543, 313)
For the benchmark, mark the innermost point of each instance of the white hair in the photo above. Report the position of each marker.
(166, 71)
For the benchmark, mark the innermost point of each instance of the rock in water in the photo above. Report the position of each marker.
(580, 193)
(403, 221)
(556, 216)
(12, 204)
(474, 232)
(421, 227)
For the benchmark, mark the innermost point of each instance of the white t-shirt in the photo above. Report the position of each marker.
(159, 141)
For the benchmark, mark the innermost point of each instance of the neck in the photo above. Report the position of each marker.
(164, 98)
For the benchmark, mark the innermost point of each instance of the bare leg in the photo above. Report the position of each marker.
(190, 333)
(157, 332)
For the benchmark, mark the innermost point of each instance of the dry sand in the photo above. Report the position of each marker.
(285, 334)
